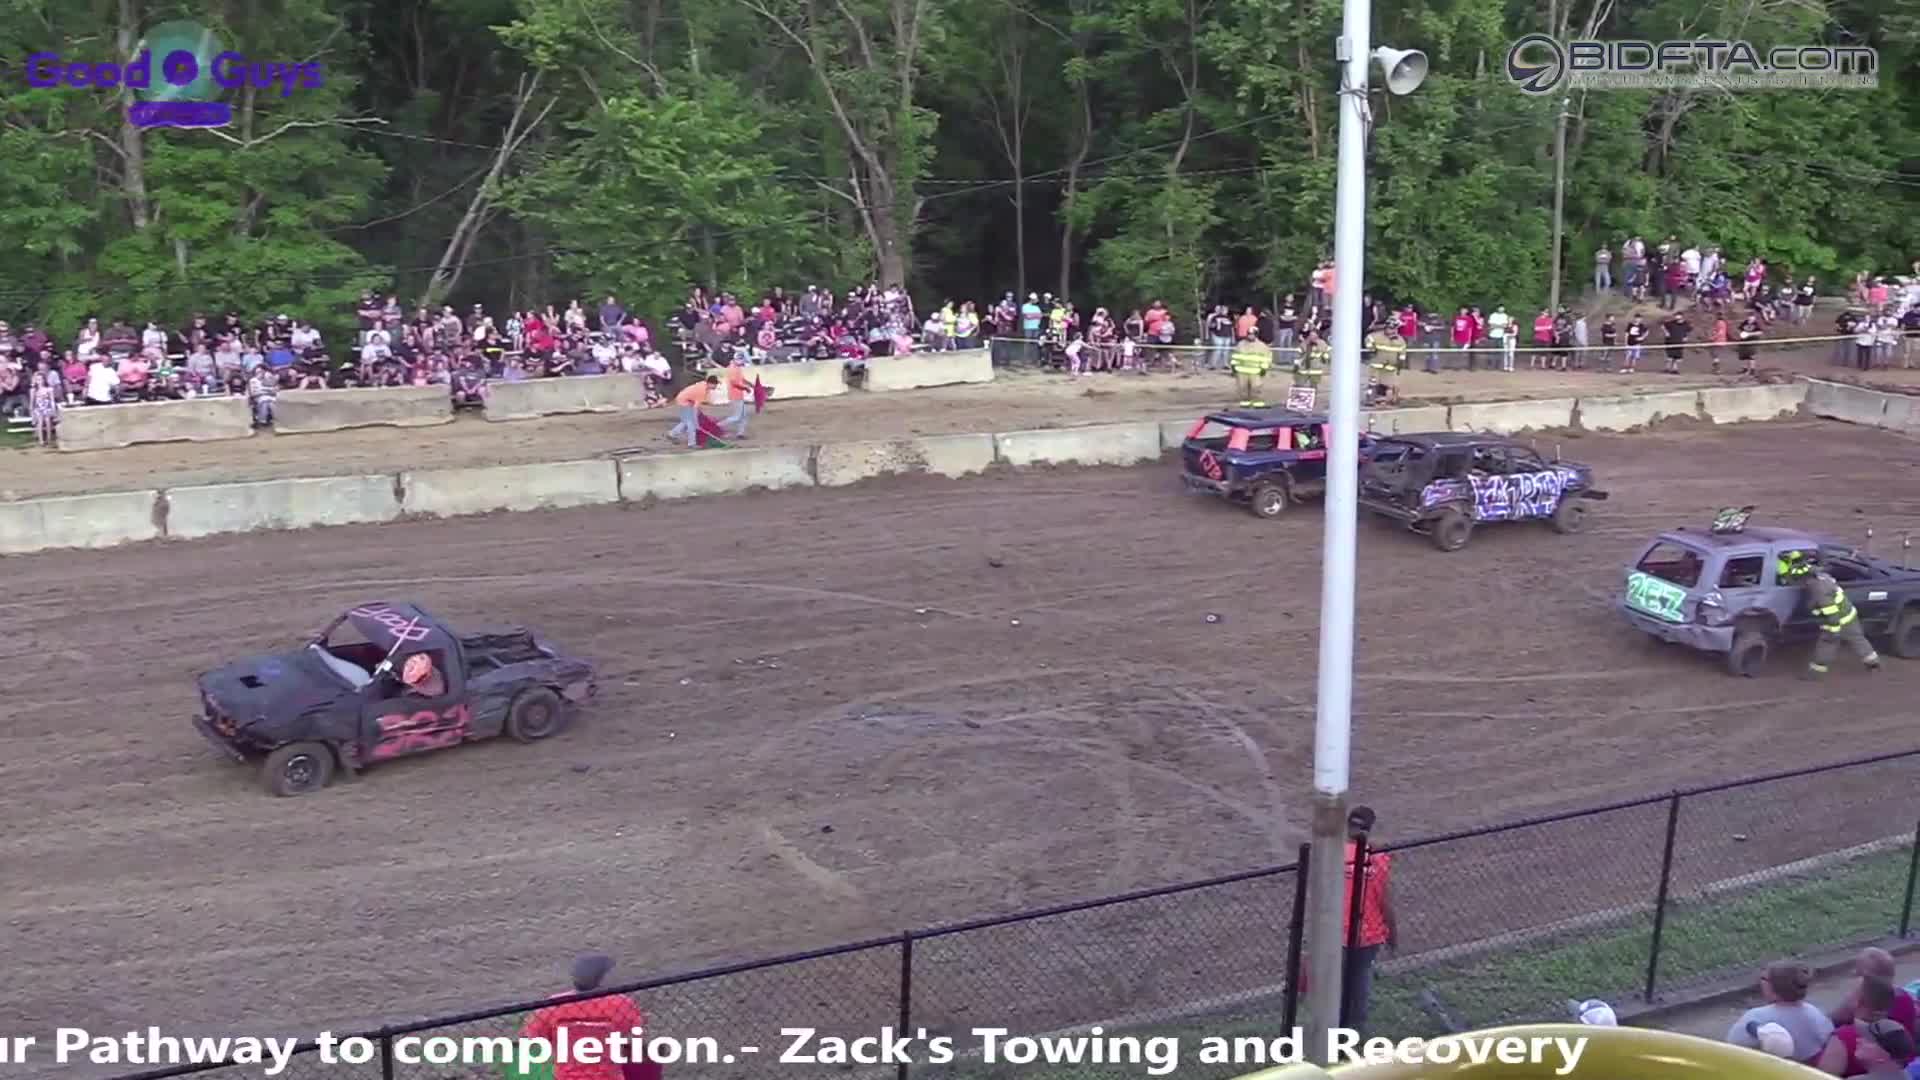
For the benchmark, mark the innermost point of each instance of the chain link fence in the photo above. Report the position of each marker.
(1630, 902)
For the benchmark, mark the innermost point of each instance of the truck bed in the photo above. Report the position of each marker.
(491, 651)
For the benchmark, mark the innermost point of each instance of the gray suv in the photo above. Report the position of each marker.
(1714, 590)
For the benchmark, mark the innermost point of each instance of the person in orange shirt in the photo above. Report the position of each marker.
(689, 401)
(1377, 929)
(574, 1023)
(740, 394)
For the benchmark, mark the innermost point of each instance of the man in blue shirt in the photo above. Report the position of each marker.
(1030, 327)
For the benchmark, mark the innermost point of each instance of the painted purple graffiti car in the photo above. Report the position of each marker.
(384, 681)
(1446, 484)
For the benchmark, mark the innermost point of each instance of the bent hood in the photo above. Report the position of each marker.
(276, 688)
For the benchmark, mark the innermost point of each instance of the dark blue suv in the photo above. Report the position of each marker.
(1263, 459)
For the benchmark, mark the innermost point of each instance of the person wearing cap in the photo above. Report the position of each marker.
(574, 1023)
(1870, 962)
(1849, 1050)
(1773, 1039)
(1377, 928)
(1828, 603)
(1887, 1050)
(1784, 986)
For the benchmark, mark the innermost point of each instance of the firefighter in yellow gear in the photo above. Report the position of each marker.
(1827, 602)
(1386, 353)
(1250, 362)
(1316, 356)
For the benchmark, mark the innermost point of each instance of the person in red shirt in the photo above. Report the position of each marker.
(1377, 927)
(1463, 334)
(578, 1024)
(1879, 962)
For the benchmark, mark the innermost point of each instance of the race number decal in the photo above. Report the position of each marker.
(1651, 596)
(428, 729)
(1210, 465)
(1300, 398)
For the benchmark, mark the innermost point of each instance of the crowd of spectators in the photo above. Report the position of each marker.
(226, 355)
(1870, 1032)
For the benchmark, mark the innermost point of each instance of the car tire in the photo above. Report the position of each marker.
(1749, 653)
(534, 715)
(1267, 501)
(1451, 530)
(297, 769)
(1570, 516)
(1905, 638)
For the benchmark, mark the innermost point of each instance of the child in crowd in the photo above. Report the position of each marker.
(43, 402)
(73, 374)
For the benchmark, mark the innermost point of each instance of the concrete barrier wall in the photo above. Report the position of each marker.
(929, 369)
(545, 486)
(564, 394)
(1098, 444)
(809, 379)
(78, 521)
(208, 510)
(298, 412)
(714, 472)
(1632, 411)
(106, 427)
(1743, 404)
(1837, 401)
(1507, 417)
(839, 464)
(1424, 418)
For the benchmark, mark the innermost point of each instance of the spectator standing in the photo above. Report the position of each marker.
(1286, 329)
(1377, 929)
(1463, 336)
(1749, 341)
(153, 338)
(1636, 344)
(1864, 336)
(1717, 338)
(966, 327)
(87, 341)
(1542, 340)
(612, 315)
(1220, 336)
(43, 402)
(1803, 302)
(1433, 330)
(1030, 327)
(1603, 270)
(1784, 986)
(577, 1023)
(13, 388)
(1500, 331)
(1580, 341)
(1677, 328)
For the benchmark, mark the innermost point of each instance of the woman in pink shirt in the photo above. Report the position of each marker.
(1719, 340)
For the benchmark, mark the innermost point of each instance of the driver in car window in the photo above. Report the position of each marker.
(421, 677)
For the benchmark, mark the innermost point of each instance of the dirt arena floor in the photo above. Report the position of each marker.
(828, 715)
(1018, 400)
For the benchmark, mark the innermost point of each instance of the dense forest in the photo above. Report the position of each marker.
(518, 151)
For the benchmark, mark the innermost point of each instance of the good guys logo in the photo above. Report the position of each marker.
(178, 71)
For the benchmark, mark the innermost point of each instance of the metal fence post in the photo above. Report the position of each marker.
(1296, 934)
(386, 1054)
(1660, 899)
(1356, 907)
(1913, 870)
(906, 991)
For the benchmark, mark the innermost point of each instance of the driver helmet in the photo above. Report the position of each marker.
(1792, 566)
(417, 670)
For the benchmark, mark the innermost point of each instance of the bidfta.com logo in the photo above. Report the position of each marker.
(177, 73)
(1541, 64)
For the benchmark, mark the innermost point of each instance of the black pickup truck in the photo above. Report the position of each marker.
(337, 699)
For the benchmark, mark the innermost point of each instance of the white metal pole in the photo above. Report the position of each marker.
(1333, 716)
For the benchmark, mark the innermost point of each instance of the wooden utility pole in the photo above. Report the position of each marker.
(1559, 202)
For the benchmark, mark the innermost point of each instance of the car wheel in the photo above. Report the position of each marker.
(1906, 635)
(1267, 501)
(534, 715)
(1749, 653)
(297, 769)
(1451, 531)
(1570, 516)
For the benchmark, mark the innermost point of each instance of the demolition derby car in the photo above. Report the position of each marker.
(383, 681)
(1715, 590)
(1445, 484)
(1263, 459)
